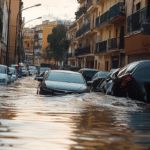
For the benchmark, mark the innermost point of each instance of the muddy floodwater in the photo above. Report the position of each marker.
(91, 121)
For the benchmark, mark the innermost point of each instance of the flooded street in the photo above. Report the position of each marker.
(90, 121)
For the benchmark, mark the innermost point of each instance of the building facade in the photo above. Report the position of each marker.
(3, 30)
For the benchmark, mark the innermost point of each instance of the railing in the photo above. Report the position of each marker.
(112, 44)
(83, 30)
(111, 14)
(80, 12)
(101, 47)
(134, 21)
(72, 26)
(90, 3)
(82, 51)
(108, 45)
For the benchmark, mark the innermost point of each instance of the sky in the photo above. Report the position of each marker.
(49, 10)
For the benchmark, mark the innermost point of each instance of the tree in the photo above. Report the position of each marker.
(58, 43)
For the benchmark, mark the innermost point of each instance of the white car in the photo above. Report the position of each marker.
(5, 78)
(25, 72)
(32, 70)
(14, 76)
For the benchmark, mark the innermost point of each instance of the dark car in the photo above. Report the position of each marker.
(40, 77)
(42, 69)
(98, 77)
(59, 81)
(108, 81)
(88, 74)
(133, 80)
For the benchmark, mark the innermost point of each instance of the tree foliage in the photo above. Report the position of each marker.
(58, 43)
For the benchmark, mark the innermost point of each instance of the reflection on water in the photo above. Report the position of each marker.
(89, 121)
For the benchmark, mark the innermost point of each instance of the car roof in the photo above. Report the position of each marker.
(90, 69)
(65, 71)
(3, 66)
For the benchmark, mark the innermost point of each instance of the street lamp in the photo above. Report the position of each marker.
(32, 20)
(20, 31)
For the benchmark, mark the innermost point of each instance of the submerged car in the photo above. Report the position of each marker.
(14, 75)
(32, 70)
(59, 81)
(5, 75)
(99, 77)
(42, 69)
(25, 72)
(106, 85)
(88, 73)
(133, 80)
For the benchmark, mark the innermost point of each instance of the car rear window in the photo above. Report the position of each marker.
(103, 74)
(66, 77)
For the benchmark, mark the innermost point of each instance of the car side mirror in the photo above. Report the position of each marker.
(40, 79)
(89, 83)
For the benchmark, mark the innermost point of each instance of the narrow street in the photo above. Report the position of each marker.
(91, 121)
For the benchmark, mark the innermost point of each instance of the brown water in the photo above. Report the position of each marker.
(90, 121)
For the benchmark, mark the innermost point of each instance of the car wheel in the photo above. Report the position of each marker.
(41, 91)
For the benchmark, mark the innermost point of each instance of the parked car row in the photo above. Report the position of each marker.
(133, 81)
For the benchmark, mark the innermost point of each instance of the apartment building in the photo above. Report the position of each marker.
(14, 27)
(3, 30)
(137, 44)
(100, 29)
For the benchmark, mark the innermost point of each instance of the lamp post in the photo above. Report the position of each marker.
(18, 18)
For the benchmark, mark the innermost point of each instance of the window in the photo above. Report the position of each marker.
(138, 6)
(116, 32)
(109, 34)
(106, 65)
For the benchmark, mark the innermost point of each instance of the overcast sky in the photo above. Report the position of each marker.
(49, 10)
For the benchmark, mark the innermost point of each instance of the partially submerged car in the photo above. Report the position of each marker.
(59, 81)
(88, 74)
(42, 69)
(99, 77)
(107, 82)
(25, 72)
(32, 70)
(5, 75)
(14, 73)
(133, 80)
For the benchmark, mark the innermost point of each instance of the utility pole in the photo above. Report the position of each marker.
(7, 52)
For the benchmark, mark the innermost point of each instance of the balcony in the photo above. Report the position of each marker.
(114, 12)
(109, 45)
(80, 12)
(112, 44)
(83, 30)
(72, 26)
(82, 51)
(90, 3)
(135, 20)
(101, 47)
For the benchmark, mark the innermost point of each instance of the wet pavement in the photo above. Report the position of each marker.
(91, 121)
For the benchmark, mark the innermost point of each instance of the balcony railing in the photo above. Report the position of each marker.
(82, 51)
(72, 26)
(108, 45)
(134, 21)
(90, 3)
(111, 14)
(112, 44)
(101, 47)
(80, 12)
(83, 30)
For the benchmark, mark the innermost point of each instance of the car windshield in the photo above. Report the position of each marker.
(32, 68)
(2, 69)
(103, 74)
(66, 77)
(44, 69)
(12, 70)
